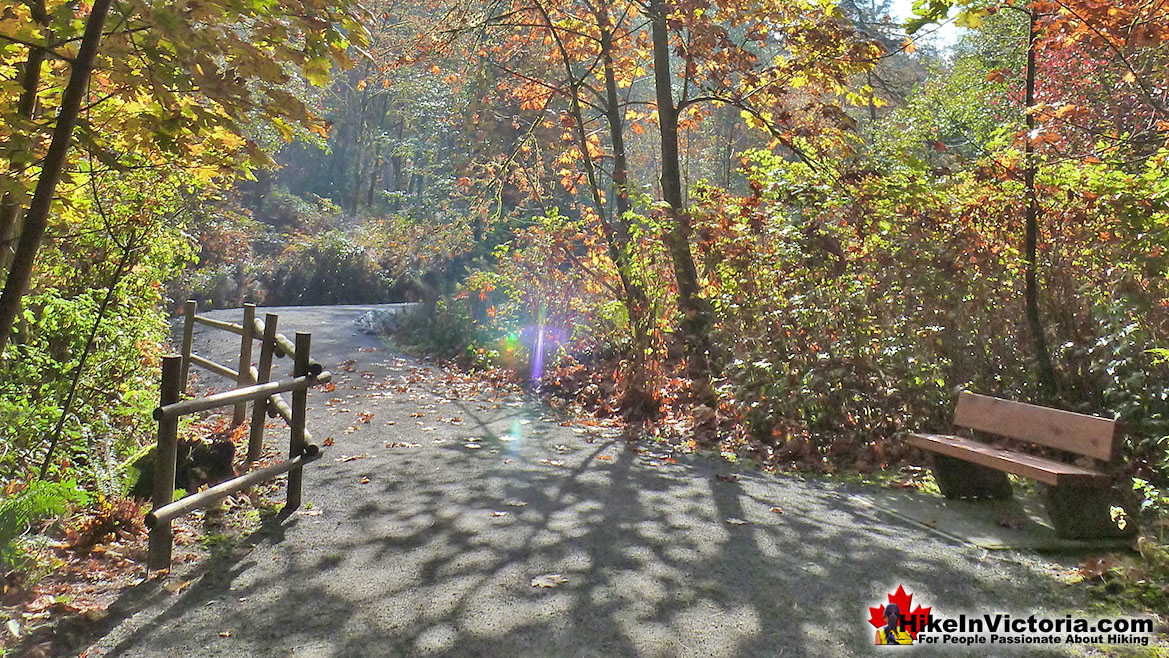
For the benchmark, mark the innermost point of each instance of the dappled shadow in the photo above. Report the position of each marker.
(432, 551)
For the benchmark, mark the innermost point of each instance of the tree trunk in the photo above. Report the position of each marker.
(634, 296)
(1046, 371)
(375, 171)
(30, 80)
(396, 162)
(696, 316)
(637, 301)
(37, 218)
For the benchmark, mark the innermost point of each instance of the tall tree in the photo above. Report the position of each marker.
(697, 320)
(168, 82)
(37, 217)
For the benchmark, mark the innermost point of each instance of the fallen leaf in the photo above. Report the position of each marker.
(552, 462)
(328, 441)
(777, 510)
(364, 480)
(498, 514)
(403, 444)
(736, 521)
(309, 512)
(226, 633)
(365, 416)
(349, 458)
(605, 458)
(174, 587)
(1095, 567)
(549, 580)
(472, 446)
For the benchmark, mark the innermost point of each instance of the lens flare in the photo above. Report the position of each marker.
(538, 354)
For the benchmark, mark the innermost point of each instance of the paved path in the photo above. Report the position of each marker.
(431, 550)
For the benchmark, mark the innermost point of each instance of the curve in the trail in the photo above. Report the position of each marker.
(443, 500)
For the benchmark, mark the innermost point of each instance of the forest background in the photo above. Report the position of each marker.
(789, 231)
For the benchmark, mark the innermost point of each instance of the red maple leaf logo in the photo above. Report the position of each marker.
(903, 601)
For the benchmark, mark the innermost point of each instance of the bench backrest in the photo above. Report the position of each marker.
(1084, 435)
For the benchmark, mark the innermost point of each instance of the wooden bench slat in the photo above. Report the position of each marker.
(1037, 468)
(1091, 436)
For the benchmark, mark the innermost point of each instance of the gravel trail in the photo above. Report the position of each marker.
(427, 544)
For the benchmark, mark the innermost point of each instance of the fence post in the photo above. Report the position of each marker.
(263, 372)
(189, 310)
(165, 454)
(296, 439)
(245, 362)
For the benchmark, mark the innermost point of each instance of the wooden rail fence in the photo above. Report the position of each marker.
(253, 384)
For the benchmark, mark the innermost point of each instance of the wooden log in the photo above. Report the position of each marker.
(161, 537)
(1078, 513)
(214, 367)
(220, 324)
(290, 350)
(281, 408)
(189, 310)
(285, 347)
(267, 345)
(248, 393)
(243, 376)
(277, 405)
(957, 478)
(296, 440)
(167, 513)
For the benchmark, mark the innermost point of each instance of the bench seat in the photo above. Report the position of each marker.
(1048, 471)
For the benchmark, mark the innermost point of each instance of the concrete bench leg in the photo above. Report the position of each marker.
(1080, 513)
(958, 478)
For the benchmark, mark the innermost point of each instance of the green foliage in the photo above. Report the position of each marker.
(39, 500)
(326, 269)
(279, 249)
(448, 334)
(110, 415)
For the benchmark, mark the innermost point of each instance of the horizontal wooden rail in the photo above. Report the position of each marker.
(255, 387)
(220, 324)
(277, 404)
(247, 393)
(222, 490)
(214, 367)
(284, 346)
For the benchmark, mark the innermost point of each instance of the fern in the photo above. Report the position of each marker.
(39, 501)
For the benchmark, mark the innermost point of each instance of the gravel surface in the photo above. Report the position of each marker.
(430, 548)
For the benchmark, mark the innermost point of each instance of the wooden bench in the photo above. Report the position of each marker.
(1079, 496)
